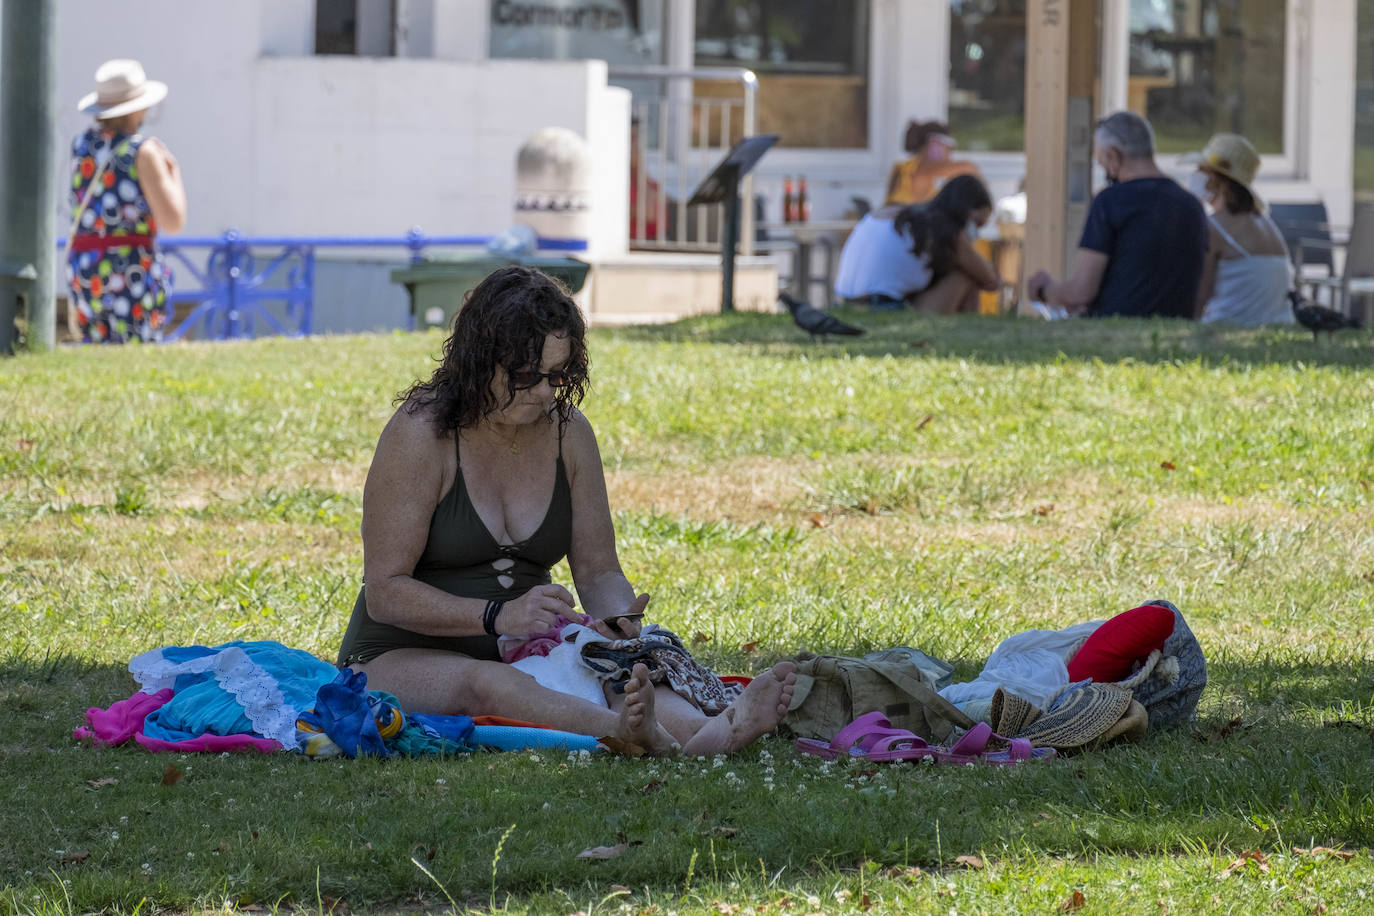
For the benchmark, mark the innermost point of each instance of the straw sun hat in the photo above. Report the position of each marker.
(121, 88)
(1234, 157)
(1089, 716)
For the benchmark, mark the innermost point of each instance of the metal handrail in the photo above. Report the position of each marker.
(231, 289)
(750, 82)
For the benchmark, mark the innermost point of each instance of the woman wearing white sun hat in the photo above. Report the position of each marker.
(1246, 275)
(125, 189)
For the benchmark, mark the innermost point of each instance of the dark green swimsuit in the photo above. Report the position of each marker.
(462, 558)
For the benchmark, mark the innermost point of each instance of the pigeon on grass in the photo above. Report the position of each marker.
(1317, 318)
(815, 322)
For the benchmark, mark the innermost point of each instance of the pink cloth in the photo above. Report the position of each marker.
(124, 720)
(541, 644)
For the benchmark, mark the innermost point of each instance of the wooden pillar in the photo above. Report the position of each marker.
(1062, 38)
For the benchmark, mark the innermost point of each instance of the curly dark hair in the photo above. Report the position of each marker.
(503, 322)
(934, 226)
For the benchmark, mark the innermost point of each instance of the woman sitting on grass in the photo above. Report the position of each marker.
(921, 255)
(485, 477)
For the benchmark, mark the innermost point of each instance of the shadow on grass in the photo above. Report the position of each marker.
(1289, 772)
(1016, 340)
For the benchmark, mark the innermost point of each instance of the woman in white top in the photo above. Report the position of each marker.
(922, 255)
(1247, 274)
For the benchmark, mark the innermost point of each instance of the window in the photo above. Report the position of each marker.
(1199, 67)
(617, 31)
(987, 74)
(1364, 98)
(811, 57)
(361, 27)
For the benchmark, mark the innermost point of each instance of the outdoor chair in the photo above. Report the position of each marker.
(1349, 290)
(1312, 262)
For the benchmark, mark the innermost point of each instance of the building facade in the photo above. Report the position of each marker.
(371, 116)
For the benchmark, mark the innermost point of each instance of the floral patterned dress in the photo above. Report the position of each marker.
(117, 280)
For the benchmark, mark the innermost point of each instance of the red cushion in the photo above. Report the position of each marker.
(1118, 644)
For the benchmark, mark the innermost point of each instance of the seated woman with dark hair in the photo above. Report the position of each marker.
(921, 255)
(1246, 274)
(485, 477)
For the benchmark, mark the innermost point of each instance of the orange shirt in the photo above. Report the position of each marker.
(915, 181)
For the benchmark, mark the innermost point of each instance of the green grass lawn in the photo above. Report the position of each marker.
(940, 483)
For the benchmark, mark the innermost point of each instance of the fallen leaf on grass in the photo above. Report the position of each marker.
(751, 646)
(969, 861)
(817, 520)
(23, 445)
(652, 786)
(909, 872)
(1043, 509)
(725, 832)
(604, 852)
(77, 857)
(924, 420)
(102, 782)
(700, 637)
(172, 775)
(1251, 855)
(1168, 466)
(1074, 902)
(865, 903)
(1224, 731)
(1344, 854)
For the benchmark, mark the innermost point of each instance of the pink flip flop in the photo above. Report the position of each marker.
(872, 737)
(973, 748)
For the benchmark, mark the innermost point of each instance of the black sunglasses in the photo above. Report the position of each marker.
(559, 378)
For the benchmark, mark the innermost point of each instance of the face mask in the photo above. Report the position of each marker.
(971, 230)
(1197, 185)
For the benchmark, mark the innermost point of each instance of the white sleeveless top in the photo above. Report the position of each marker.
(877, 260)
(1250, 290)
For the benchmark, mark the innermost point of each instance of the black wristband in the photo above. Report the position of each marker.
(490, 614)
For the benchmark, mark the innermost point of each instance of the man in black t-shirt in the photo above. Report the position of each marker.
(1145, 238)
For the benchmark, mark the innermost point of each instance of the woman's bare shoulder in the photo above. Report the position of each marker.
(413, 429)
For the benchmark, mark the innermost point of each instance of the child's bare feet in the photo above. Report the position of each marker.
(638, 725)
(756, 711)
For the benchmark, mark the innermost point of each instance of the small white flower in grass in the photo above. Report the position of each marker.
(124, 818)
(842, 895)
(223, 754)
(536, 758)
(813, 901)
(229, 801)
(146, 867)
(190, 855)
(114, 835)
(849, 391)
(719, 761)
(548, 806)
(441, 781)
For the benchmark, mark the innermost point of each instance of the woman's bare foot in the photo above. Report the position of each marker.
(638, 725)
(756, 711)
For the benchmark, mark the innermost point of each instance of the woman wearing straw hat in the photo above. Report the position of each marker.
(125, 189)
(1246, 275)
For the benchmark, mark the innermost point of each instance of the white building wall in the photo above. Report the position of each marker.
(274, 140)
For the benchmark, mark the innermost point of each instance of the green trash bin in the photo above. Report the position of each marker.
(438, 285)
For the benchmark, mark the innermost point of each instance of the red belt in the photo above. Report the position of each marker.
(86, 242)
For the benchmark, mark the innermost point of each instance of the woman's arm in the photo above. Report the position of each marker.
(407, 479)
(978, 268)
(1209, 271)
(159, 176)
(601, 584)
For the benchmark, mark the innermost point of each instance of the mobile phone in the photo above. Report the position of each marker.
(614, 622)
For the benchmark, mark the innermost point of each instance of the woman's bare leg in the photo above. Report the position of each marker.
(946, 296)
(442, 683)
(755, 712)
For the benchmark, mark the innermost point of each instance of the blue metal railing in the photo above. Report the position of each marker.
(232, 292)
